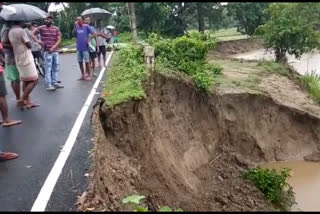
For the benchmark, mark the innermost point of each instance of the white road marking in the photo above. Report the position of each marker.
(48, 186)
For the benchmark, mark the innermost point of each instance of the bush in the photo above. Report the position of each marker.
(126, 76)
(125, 37)
(188, 55)
(272, 184)
(312, 83)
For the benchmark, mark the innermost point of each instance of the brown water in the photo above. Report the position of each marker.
(308, 62)
(305, 180)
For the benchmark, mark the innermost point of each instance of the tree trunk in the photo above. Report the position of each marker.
(132, 15)
(281, 55)
(200, 16)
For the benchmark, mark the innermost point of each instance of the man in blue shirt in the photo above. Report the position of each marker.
(82, 32)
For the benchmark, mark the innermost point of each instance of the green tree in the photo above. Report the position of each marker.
(248, 16)
(291, 29)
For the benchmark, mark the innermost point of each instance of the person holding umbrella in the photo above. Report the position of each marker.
(4, 109)
(103, 36)
(24, 61)
(11, 69)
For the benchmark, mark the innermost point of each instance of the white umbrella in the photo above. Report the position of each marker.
(24, 12)
(96, 13)
(110, 27)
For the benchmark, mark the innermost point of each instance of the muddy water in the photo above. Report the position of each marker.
(305, 180)
(308, 62)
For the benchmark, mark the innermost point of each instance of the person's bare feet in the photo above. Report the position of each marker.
(4, 156)
(21, 104)
(11, 123)
(82, 78)
(88, 78)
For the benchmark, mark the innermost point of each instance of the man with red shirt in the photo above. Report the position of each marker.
(50, 40)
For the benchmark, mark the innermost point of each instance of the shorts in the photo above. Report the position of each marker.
(102, 49)
(93, 55)
(3, 90)
(12, 73)
(83, 56)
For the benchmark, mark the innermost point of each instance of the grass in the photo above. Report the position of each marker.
(66, 42)
(246, 74)
(311, 81)
(126, 76)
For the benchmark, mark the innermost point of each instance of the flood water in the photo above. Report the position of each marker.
(305, 180)
(308, 62)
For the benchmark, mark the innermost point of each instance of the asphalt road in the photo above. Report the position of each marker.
(39, 138)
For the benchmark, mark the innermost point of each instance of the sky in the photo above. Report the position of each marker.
(54, 7)
(59, 7)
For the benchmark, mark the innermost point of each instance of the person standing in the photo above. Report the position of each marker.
(24, 61)
(11, 69)
(50, 40)
(35, 47)
(102, 36)
(4, 109)
(82, 31)
(92, 47)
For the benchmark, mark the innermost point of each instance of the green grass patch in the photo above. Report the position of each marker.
(274, 67)
(273, 184)
(311, 81)
(66, 42)
(126, 76)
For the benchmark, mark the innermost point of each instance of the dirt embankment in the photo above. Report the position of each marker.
(188, 150)
(227, 48)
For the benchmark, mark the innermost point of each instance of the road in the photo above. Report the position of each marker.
(39, 138)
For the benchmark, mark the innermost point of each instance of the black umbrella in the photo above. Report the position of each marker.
(24, 12)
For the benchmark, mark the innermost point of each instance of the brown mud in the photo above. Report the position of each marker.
(184, 149)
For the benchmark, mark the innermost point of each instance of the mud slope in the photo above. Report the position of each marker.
(184, 149)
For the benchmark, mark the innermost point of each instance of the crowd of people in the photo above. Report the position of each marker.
(22, 43)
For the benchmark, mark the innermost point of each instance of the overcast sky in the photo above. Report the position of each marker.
(54, 7)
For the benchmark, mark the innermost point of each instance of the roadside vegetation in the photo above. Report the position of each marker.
(187, 54)
(135, 203)
(311, 81)
(274, 185)
(126, 76)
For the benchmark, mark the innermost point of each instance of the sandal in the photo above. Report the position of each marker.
(4, 156)
(11, 123)
(32, 105)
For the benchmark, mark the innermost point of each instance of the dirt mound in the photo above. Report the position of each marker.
(188, 150)
(227, 48)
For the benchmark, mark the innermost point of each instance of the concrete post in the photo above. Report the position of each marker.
(149, 60)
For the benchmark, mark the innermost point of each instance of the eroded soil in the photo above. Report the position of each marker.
(188, 150)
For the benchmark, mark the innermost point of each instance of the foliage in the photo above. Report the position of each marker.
(126, 76)
(125, 37)
(135, 201)
(66, 42)
(272, 184)
(290, 29)
(312, 82)
(248, 15)
(187, 54)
